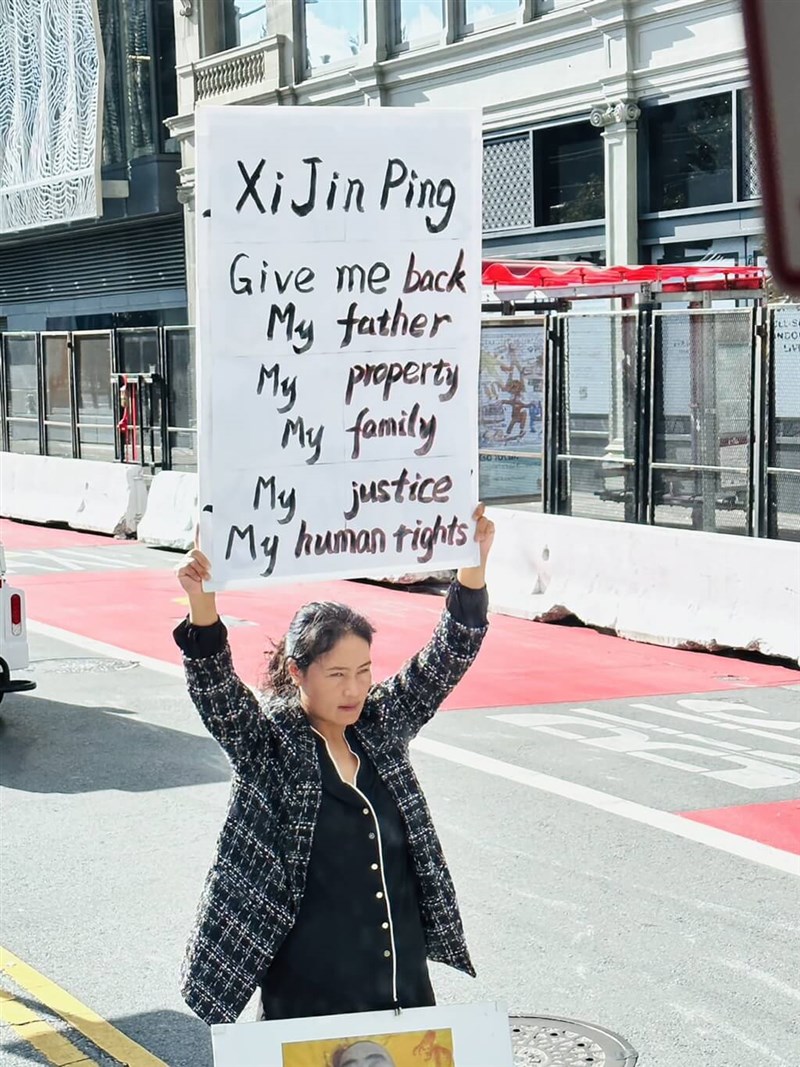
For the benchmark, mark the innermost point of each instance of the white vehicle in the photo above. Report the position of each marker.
(13, 635)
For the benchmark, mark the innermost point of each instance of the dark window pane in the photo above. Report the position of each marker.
(690, 146)
(167, 82)
(570, 184)
(182, 385)
(138, 51)
(21, 385)
(56, 378)
(93, 373)
(138, 351)
(23, 436)
(114, 149)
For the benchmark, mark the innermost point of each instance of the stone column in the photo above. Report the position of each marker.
(618, 122)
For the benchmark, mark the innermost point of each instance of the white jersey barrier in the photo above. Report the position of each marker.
(85, 494)
(171, 514)
(669, 587)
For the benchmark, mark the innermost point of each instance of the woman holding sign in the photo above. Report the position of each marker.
(329, 889)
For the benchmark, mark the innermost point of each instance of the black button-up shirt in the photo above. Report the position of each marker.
(358, 943)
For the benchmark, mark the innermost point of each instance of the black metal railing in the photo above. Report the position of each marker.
(125, 396)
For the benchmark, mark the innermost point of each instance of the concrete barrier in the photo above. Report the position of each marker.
(84, 494)
(171, 514)
(672, 587)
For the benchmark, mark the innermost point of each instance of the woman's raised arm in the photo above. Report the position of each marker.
(229, 709)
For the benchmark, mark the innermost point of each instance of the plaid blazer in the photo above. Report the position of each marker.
(252, 893)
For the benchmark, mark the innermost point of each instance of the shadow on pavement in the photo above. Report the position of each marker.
(180, 1040)
(51, 747)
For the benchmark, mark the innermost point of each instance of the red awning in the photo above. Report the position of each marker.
(667, 278)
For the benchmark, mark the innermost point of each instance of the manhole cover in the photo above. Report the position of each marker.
(81, 665)
(539, 1042)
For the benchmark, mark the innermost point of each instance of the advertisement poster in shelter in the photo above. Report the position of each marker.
(339, 334)
(511, 420)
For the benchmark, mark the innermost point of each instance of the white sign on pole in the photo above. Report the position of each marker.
(339, 335)
(772, 29)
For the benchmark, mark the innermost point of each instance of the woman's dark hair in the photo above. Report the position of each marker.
(313, 632)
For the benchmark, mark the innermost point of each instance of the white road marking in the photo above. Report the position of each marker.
(41, 554)
(36, 566)
(688, 829)
(666, 821)
(725, 1030)
(769, 980)
(748, 772)
(674, 714)
(119, 560)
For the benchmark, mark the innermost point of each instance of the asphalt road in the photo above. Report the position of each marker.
(585, 889)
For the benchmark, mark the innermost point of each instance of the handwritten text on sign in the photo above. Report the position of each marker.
(338, 330)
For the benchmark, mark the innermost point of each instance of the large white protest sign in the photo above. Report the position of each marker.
(339, 334)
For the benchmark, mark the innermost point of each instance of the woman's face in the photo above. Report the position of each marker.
(335, 686)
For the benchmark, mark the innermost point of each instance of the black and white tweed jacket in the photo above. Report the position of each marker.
(253, 891)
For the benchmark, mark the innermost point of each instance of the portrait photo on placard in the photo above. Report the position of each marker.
(414, 1049)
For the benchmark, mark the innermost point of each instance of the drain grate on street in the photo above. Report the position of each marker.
(540, 1042)
(81, 665)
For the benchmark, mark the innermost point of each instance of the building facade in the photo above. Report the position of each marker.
(615, 131)
(91, 228)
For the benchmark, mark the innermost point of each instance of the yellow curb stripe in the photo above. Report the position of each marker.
(35, 1031)
(100, 1032)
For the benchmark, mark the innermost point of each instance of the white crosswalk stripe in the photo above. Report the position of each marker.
(66, 559)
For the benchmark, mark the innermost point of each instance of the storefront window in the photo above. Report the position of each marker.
(137, 48)
(334, 30)
(114, 147)
(480, 13)
(140, 89)
(569, 174)
(690, 153)
(418, 20)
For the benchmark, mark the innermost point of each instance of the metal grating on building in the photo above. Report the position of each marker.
(49, 104)
(507, 183)
(750, 186)
(106, 260)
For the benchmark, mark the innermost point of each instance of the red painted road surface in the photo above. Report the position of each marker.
(521, 662)
(20, 535)
(775, 824)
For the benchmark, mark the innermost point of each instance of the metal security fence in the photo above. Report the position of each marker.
(688, 419)
(114, 395)
(780, 425)
(702, 427)
(595, 431)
